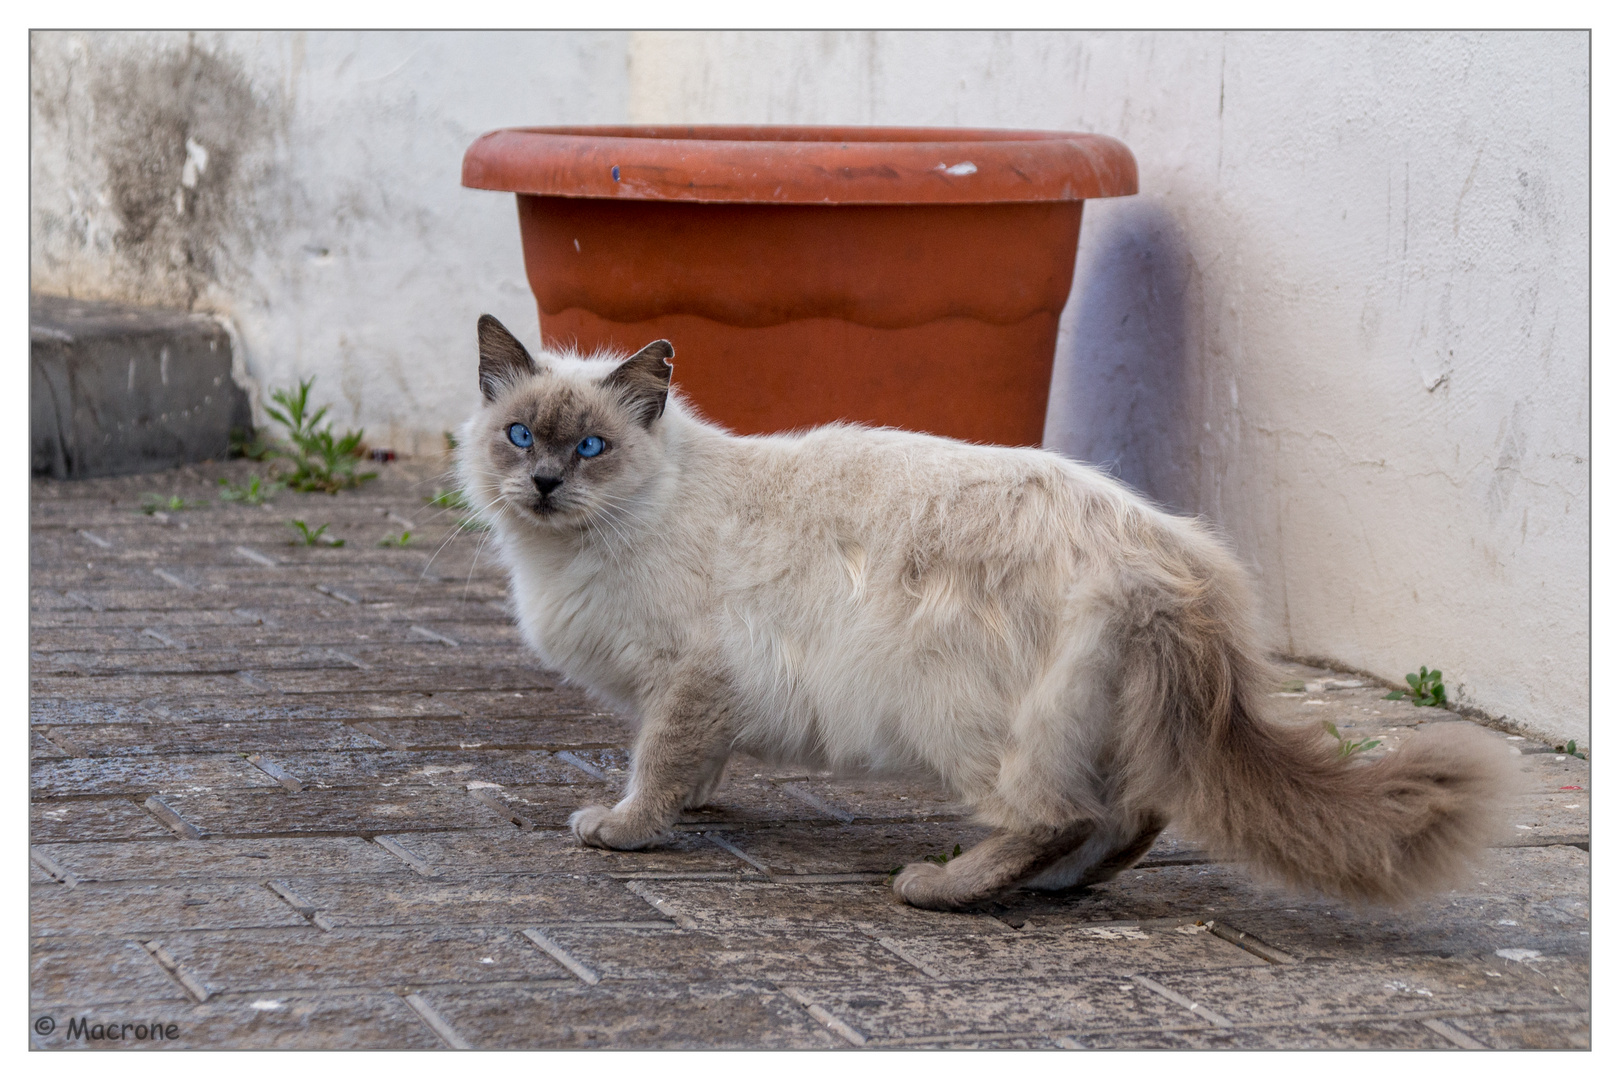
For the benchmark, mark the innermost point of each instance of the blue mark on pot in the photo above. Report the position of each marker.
(615, 174)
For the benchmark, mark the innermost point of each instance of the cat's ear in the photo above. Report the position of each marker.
(644, 378)
(502, 359)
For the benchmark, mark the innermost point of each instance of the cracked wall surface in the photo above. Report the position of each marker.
(1346, 318)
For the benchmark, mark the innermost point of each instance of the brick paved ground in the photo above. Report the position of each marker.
(314, 797)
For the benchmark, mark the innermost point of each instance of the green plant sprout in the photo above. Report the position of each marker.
(402, 540)
(151, 504)
(253, 492)
(1569, 748)
(941, 859)
(321, 461)
(1425, 689)
(313, 537)
(1346, 746)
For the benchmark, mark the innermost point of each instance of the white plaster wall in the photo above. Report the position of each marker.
(1346, 318)
(344, 247)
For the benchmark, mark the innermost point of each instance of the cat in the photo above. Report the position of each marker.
(1077, 666)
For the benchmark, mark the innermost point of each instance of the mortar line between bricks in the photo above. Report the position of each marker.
(1452, 1035)
(685, 922)
(852, 1035)
(53, 868)
(562, 956)
(403, 854)
(171, 820)
(1185, 1002)
(733, 849)
(894, 947)
(165, 960)
(441, 1027)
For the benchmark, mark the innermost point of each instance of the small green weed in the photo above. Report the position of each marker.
(151, 504)
(941, 859)
(1569, 748)
(321, 460)
(402, 540)
(1425, 688)
(313, 537)
(245, 443)
(253, 492)
(1347, 746)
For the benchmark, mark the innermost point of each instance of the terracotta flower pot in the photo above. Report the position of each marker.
(903, 276)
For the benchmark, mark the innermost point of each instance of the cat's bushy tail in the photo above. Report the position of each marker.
(1283, 798)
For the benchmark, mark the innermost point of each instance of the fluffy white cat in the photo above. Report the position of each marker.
(1020, 630)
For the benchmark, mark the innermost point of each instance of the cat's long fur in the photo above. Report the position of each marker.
(1020, 630)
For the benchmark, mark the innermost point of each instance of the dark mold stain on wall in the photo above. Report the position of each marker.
(184, 139)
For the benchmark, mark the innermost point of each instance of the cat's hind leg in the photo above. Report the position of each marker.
(1102, 856)
(713, 772)
(994, 865)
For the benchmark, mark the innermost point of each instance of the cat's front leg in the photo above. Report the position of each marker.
(679, 755)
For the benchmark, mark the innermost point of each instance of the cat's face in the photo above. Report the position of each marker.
(562, 444)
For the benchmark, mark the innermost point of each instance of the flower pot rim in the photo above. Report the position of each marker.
(785, 164)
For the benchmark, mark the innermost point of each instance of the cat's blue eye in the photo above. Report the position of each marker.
(520, 436)
(590, 446)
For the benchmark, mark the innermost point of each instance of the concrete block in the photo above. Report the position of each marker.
(116, 389)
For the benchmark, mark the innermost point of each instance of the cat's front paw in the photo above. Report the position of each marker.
(925, 885)
(600, 826)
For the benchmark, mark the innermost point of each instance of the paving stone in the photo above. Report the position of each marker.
(754, 802)
(251, 737)
(354, 693)
(1075, 950)
(95, 640)
(1537, 818)
(632, 1015)
(200, 661)
(224, 860)
(129, 689)
(1527, 1031)
(328, 1022)
(338, 811)
(1349, 1035)
(544, 806)
(40, 748)
(526, 704)
(1553, 773)
(72, 711)
(1380, 987)
(126, 908)
(473, 733)
(1535, 898)
(433, 768)
(97, 971)
(435, 681)
(884, 800)
(508, 851)
(129, 775)
(930, 1010)
(261, 706)
(78, 617)
(497, 900)
(829, 848)
(71, 820)
(267, 961)
(723, 906)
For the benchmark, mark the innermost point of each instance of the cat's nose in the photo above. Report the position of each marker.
(545, 485)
